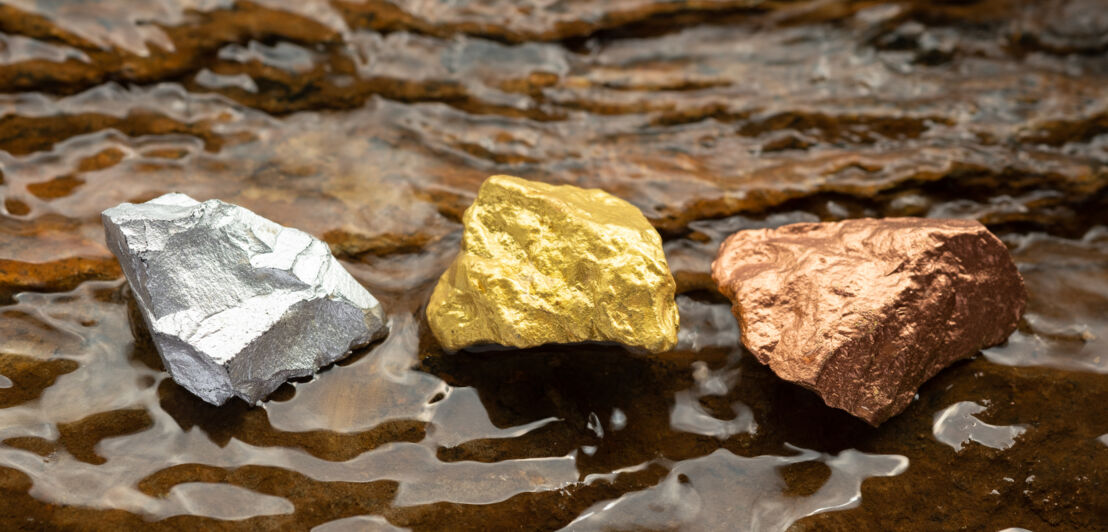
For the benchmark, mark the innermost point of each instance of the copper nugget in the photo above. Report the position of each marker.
(865, 311)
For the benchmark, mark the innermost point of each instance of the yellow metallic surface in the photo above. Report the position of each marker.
(544, 264)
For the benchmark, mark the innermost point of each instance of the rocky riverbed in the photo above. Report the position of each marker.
(371, 124)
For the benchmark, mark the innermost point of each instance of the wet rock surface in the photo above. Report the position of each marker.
(545, 264)
(864, 311)
(371, 126)
(237, 304)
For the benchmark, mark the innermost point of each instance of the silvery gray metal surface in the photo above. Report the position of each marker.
(237, 304)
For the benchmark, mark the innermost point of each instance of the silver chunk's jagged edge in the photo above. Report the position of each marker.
(235, 303)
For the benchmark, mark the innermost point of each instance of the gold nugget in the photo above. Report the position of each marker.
(543, 264)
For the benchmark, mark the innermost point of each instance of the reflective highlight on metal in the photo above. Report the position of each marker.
(544, 264)
(235, 303)
(864, 311)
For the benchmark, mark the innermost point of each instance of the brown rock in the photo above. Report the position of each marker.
(864, 311)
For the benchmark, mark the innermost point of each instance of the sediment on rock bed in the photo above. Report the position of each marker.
(371, 126)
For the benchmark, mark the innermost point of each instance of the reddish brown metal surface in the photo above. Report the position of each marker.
(864, 311)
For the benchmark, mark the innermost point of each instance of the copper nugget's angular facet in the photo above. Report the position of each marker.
(545, 264)
(864, 311)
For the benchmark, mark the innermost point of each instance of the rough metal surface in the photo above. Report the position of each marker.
(864, 311)
(237, 304)
(545, 264)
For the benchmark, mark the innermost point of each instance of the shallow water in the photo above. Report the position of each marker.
(371, 125)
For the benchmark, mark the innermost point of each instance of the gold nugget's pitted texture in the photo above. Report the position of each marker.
(865, 311)
(543, 264)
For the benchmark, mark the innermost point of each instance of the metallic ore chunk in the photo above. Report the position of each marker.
(235, 303)
(545, 264)
(864, 311)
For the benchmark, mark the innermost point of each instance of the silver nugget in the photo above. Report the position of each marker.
(237, 304)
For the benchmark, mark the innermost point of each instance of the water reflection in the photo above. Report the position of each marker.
(371, 124)
(725, 491)
(958, 425)
(1063, 327)
(358, 523)
(221, 501)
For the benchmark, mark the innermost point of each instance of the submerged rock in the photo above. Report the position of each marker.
(237, 304)
(544, 264)
(864, 311)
